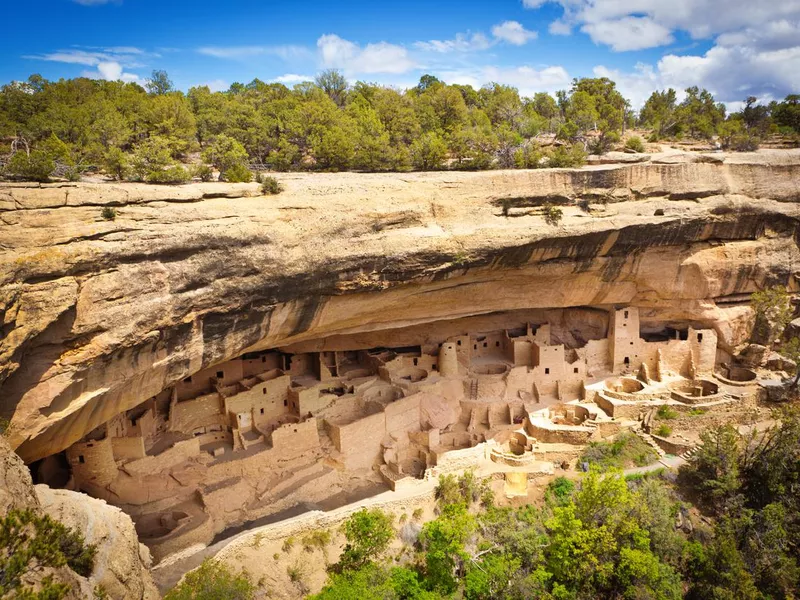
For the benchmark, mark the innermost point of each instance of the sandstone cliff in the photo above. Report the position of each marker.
(121, 563)
(100, 315)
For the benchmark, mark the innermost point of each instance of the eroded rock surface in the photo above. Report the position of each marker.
(99, 316)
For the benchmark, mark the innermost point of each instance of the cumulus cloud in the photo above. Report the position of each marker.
(513, 32)
(382, 57)
(629, 33)
(528, 80)
(755, 44)
(292, 78)
(110, 63)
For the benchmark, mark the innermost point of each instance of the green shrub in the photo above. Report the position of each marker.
(368, 534)
(237, 174)
(108, 213)
(288, 543)
(667, 413)
(150, 156)
(172, 175)
(36, 166)
(664, 430)
(316, 539)
(213, 580)
(567, 157)
(230, 157)
(552, 214)
(115, 162)
(29, 542)
(635, 143)
(625, 451)
(271, 186)
(204, 172)
(560, 490)
(428, 152)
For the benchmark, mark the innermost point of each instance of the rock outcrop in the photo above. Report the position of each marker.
(100, 315)
(121, 563)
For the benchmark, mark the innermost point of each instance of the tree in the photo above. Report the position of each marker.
(368, 534)
(773, 311)
(659, 114)
(213, 580)
(229, 156)
(699, 114)
(443, 540)
(714, 469)
(334, 84)
(428, 152)
(159, 83)
(31, 544)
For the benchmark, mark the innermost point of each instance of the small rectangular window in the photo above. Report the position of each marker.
(627, 360)
(699, 337)
(81, 459)
(485, 344)
(575, 370)
(264, 391)
(459, 342)
(286, 403)
(626, 314)
(263, 359)
(187, 380)
(497, 344)
(475, 347)
(262, 411)
(547, 371)
(220, 374)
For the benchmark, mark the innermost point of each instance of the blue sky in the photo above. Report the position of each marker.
(733, 47)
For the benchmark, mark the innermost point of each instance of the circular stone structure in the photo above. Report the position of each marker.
(624, 385)
(736, 375)
(413, 374)
(694, 392)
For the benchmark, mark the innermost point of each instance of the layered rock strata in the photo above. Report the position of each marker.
(99, 316)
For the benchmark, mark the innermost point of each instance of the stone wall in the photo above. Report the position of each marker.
(178, 453)
(92, 462)
(201, 412)
(360, 441)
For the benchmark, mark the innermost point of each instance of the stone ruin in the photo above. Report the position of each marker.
(252, 436)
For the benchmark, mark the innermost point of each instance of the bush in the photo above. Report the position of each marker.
(230, 157)
(271, 186)
(563, 157)
(150, 156)
(667, 413)
(204, 172)
(627, 450)
(316, 539)
(368, 534)
(171, 175)
(115, 162)
(36, 166)
(212, 580)
(238, 174)
(29, 542)
(635, 143)
(428, 152)
(108, 213)
(664, 430)
(552, 214)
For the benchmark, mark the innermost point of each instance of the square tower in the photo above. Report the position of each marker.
(624, 340)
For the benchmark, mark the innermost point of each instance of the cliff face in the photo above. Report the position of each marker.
(121, 563)
(100, 315)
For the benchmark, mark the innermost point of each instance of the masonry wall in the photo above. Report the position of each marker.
(296, 438)
(180, 452)
(268, 400)
(92, 462)
(128, 448)
(403, 416)
(202, 412)
(360, 442)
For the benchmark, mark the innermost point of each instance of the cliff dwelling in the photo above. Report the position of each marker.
(250, 437)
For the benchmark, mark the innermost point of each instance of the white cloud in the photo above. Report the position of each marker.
(527, 79)
(111, 71)
(217, 85)
(559, 27)
(338, 53)
(513, 32)
(288, 52)
(533, 3)
(463, 42)
(291, 78)
(96, 2)
(629, 33)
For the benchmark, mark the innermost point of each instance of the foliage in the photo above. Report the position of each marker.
(773, 312)
(665, 412)
(567, 157)
(204, 172)
(465, 489)
(664, 430)
(552, 214)
(212, 580)
(230, 157)
(271, 186)
(368, 534)
(30, 543)
(108, 213)
(36, 166)
(625, 451)
(317, 539)
(116, 163)
(428, 152)
(374, 582)
(444, 542)
(634, 143)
